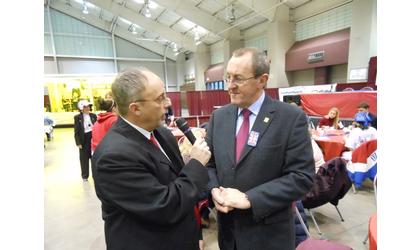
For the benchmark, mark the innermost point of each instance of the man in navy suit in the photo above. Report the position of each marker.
(261, 161)
(147, 193)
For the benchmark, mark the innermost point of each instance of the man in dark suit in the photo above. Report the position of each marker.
(261, 161)
(83, 123)
(147, 193)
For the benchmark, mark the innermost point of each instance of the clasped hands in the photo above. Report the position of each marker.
(226, 199)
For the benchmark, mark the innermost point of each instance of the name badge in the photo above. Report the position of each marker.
(253, 138)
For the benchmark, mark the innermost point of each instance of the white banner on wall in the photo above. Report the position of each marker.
(325, 88)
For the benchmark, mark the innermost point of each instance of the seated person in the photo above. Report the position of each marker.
(360, 133)
(364, 107)
(331, 120)
(318, 156)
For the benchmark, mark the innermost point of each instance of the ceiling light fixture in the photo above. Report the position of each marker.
(196, 35)
(147, 12)
(132, 29)
(231, 15)
(174, 47)
(85, 8)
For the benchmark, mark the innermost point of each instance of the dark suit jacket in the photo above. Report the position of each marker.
(273, 174)
(79, 127)
(147, 200)
(374, 122)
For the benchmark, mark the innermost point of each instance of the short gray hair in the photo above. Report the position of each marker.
(127, 87)
(260, 62)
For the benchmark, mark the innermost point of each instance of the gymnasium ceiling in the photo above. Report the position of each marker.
(175, 25)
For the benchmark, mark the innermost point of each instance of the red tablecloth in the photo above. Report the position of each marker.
(331, 143)
(372, 232)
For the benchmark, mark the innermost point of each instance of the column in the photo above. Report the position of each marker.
(362, 36)
(280, 38)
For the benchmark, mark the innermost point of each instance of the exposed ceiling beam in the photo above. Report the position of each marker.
(147, 23)
(101, 24)
(263, 8)
(188, 9)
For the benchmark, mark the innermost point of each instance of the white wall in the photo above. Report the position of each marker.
(85, 66)
(303, 77)
(315, 7)
(216, 53)
(362, 40)
(49, 66)
(189, 66)
(280, 38)
(338, 73)
(125, 48)
(171, 72)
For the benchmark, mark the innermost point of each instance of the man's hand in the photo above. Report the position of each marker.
(234, 198)
(218, 201)
(79, 146)
(200, 151)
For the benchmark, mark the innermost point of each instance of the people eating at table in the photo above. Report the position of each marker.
(361, 132)
(332, 119)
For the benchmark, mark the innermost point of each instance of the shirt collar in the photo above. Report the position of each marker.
(256, 106)
(141, 130)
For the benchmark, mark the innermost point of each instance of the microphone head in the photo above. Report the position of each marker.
(182, 124)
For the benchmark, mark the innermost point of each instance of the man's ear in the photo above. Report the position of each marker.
(263, 80)
(134, 108)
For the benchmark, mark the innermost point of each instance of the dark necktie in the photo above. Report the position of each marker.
(242, 135)
(153, 140)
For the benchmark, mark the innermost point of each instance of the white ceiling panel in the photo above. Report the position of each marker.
(134, 6)
(211, 6)
(177, 19)
(168, 18)
(107, 16)
(296, 3)
(119, 1)
(251, 22)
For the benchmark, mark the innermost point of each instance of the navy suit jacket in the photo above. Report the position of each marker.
(276, 172)
(147, 200)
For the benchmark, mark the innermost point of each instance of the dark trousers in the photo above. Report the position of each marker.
(85, 154)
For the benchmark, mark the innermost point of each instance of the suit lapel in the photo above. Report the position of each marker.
(146, 145)
(262, 122)
(230, 131)
(175, 161)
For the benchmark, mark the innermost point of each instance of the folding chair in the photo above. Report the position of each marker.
(330, 185)
(367, 89)
(363, 163)
(316, 244)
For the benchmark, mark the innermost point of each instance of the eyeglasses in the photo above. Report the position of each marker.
(159, 100)
(238, 80)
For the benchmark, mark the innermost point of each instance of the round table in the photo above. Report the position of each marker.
(331, 142)
(372, 232)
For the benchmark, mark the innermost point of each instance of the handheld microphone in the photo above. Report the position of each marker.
(182, 124)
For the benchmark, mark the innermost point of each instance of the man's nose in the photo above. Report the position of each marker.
(231, 85)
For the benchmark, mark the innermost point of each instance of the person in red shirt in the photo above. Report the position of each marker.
(331, 120)
(104, 122)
